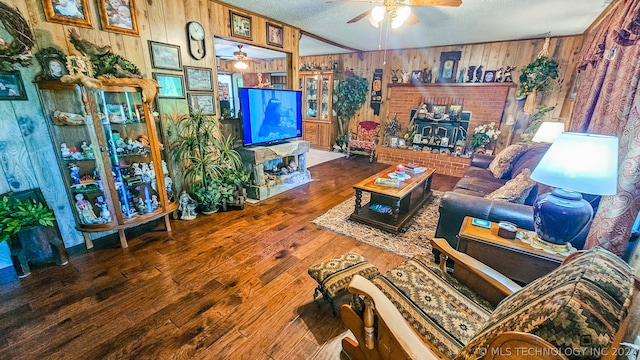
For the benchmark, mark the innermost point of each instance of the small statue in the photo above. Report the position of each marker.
(394, 77)
(87, 152)
(507, 74)
(85, 210)
(499, 75)
(470, 72)
(74, 173)
(135, 167)
(147, 174)
(427, 75)
(64, 150)
(187, 206)
(155, 202)
(479, 74)
(105, 215)
(461, 76)
(406, 76)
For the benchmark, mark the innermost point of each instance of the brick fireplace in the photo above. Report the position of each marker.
(485, 101)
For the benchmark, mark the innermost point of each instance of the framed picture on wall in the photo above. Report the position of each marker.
(240, 25)
(11, 86)
(275, 35)
(198, 78)
(489, 76)
(205, 102)
(118, 16)
(449, 66)
(165, 56)
(171, 86)
(68, 12)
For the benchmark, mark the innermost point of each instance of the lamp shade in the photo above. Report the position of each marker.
(548, 132)
(585, 163)
(241, 65)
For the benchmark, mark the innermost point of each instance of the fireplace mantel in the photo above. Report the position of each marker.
(450, 85)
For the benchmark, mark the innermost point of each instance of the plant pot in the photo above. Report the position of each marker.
(209, 212)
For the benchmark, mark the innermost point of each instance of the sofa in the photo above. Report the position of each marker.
(468, 198)
(582, 310)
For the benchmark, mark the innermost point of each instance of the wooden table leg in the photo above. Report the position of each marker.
(123, 239)
(358, 209)
(167, 224)
(87, 241)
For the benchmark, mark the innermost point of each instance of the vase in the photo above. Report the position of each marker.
(530, 103)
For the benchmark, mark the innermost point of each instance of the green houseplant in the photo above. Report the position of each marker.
(206, 157)
(350, 94)
(28, 222)
(539, 75)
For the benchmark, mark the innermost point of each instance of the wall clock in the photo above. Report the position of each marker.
(449, 66)
(195, 35)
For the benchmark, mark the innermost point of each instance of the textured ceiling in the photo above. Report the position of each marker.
(474, 21)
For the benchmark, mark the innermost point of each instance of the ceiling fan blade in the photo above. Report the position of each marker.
(343, 1)
(453, 3)
(359, 17)
(413, 19)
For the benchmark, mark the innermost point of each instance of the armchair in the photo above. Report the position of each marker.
(419, 311)
(365, 141)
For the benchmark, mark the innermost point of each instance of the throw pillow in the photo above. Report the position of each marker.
(501, 164)
(515, 190)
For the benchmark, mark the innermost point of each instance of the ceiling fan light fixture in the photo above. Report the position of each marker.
(377, 13)
(240, 65)
(401, 14)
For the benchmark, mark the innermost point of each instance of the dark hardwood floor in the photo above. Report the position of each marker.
(231, 285)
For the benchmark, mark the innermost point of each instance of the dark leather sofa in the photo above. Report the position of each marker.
(467, 197)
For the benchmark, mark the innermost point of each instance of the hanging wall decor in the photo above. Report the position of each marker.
(376, 91)
(17, 51)
(68, 12)
(118, 16)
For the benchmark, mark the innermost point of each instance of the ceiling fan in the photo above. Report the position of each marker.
(398, 11)
(241, 58)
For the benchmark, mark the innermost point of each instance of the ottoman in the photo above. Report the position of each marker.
(334, 275)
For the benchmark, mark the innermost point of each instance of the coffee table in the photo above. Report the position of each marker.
(403, 202)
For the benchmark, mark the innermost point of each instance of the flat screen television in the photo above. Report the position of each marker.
(270, 116)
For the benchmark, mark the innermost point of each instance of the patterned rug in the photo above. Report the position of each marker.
(415, 240)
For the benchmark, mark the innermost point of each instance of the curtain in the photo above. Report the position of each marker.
(608, 103)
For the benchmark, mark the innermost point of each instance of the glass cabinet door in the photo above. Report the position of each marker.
(74, 136)
(311, 97)
(124, 123)
(325, 98)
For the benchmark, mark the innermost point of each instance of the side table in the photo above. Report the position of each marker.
(515, 259)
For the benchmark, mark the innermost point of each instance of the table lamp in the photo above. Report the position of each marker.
(548, 132)
(575, 163)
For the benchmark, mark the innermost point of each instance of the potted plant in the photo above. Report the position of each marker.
(350, 94)
(207, 159)
(539, 75)
(236, 179)
(23, 222)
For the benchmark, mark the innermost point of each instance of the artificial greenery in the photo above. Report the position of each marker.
(212, 168)
(17, 214)
(112, 65)
(195, 147)
(536, 120)
(350, 94)
(392, 127)
(341, 141)
(539, 75)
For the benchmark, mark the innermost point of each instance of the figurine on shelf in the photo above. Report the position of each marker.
(506, 76)
(74, 173)
(499, 75)
(144, 140)
(168, 183)
(105, 215)
(87, 152)
(64, 150)
(406, 76)
(479, 74)
(135, 167)
(165, 170)
(154, 201)
(470, 72)
(147, 174)
(85, 210)
(187, 207)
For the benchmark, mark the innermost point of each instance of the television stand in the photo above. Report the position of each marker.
(256, 159)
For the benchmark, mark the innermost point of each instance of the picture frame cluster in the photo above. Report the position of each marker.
(193, 83)
(115, 15)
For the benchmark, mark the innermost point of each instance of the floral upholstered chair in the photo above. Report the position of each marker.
(365, 141)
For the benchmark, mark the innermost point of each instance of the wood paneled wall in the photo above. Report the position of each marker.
(490, 55)
(27, 156)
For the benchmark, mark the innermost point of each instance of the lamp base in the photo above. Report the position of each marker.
(560, 216)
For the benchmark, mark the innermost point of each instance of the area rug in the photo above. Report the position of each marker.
(415, 240)
(315, 157)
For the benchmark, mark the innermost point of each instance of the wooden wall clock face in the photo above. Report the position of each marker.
(196, 37)
(448, 66)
